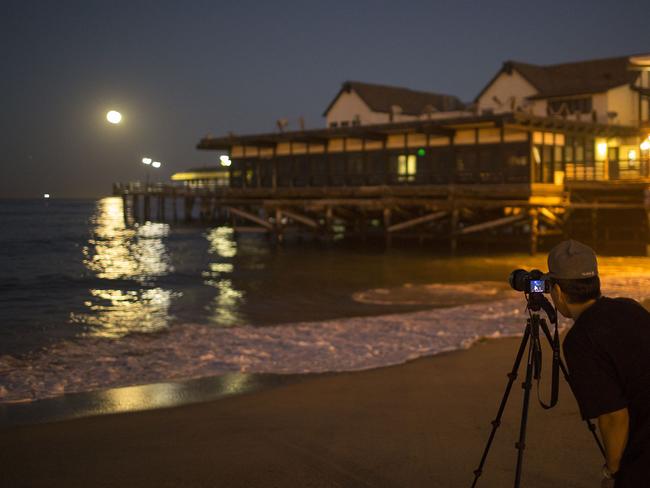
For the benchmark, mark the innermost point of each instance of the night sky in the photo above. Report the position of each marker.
(180, 70)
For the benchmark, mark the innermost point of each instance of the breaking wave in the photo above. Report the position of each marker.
(193, 350)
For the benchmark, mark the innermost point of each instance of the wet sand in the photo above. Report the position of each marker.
(423, 423)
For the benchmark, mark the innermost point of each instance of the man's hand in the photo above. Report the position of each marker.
(607, 483)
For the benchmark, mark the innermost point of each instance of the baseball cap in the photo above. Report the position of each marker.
(572, 260)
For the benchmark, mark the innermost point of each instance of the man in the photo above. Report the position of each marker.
(607, 351)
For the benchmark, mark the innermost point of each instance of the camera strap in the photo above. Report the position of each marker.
(555, 372)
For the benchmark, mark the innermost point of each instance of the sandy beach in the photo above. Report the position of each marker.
(423, 423)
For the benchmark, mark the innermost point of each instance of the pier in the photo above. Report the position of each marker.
(508, 178)
(606, 216)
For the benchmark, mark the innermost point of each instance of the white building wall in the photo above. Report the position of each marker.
(624, 101)
(348, 106)
(507, 93)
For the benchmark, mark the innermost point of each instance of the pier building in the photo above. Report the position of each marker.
(541, 153)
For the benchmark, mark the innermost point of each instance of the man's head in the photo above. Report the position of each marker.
(573, 273)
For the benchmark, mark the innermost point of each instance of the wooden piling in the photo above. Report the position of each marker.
(453, 230)
(135, 210)
(387, 233)
(534, 230)
(147, 208)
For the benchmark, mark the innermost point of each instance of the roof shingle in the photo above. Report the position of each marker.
(381, 98)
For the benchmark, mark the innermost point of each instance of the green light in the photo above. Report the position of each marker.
(421, 152)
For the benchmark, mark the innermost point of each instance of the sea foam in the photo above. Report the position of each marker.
(350, 344)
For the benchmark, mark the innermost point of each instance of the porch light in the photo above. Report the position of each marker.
(631, 155)
(155, 164)
(645, 145)
(147, 161)
(601, 149)
(225, 160)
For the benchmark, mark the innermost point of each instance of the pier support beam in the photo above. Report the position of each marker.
(147, 208)
(453, 239)
(534, 231)
(189, 205)
(125, 209)
(416, 221)
(135, 210)
(161, 208)
(279, 236)
(387, 233)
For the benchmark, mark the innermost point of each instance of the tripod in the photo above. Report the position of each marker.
(533, 371)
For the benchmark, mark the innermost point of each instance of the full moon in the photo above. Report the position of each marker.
(114, 117)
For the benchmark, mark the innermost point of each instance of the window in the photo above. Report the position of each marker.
(334, 124)
(406, 167)
(570, 106)
(344, 123)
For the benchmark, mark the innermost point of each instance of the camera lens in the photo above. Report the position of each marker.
(518, 279)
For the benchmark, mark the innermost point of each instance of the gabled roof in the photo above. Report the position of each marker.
(380, 98)
(568, 79)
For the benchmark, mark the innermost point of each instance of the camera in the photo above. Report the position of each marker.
(532, 281)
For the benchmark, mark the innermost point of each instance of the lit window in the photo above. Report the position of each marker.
(406, 167)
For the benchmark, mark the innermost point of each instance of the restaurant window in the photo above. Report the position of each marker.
(406, 167)
(376, 167)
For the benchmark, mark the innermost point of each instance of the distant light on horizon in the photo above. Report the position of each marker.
(46, 195)
(156, 164)
(114, 117)
(147, 161)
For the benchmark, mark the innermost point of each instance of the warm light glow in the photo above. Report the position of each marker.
(156, 164)
(118, 252)
(195, 175)
(225, 160)
(601, 149)
(645, 145)
(146, 161)
(46, 195)
(631, 155)
(114, 117)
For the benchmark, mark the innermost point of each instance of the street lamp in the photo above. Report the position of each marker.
(148, 162)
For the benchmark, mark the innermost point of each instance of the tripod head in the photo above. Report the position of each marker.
(537, 301)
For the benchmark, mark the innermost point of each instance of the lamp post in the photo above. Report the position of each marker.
(148, 162)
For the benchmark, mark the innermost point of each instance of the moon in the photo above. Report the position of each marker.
(114, 117)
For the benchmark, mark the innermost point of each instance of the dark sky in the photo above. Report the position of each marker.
(179, 70)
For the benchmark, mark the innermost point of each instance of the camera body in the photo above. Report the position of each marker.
(532, 281)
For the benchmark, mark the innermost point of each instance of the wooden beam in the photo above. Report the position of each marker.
(549, 216)
(417, 221)
(249, 216)
(300, 218)
(253, 229)
(491, 224)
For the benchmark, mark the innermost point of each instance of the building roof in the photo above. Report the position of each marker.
(440, 127)
(566, 79)
(381, 98)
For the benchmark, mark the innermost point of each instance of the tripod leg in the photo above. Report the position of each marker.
(527, 386)
(565, 373)
(512, 376)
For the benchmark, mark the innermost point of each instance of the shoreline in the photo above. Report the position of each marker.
(422, 423)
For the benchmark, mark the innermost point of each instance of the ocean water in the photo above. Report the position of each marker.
(87, 302)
